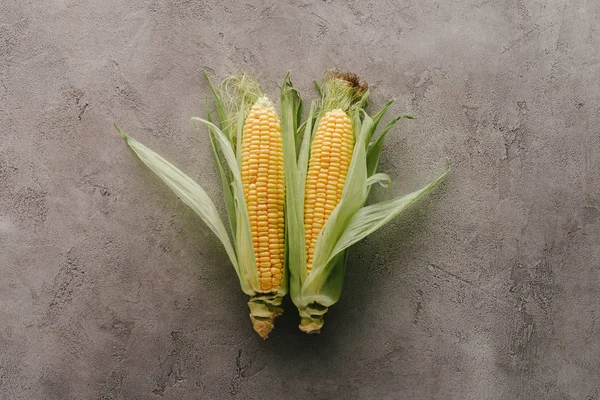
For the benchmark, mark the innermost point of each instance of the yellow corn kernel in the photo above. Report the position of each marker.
(264, 190)
(331, 152)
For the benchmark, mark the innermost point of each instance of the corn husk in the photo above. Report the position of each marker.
(233, 100)
(350, 221)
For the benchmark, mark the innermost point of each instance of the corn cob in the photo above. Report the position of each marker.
(264, 190)
(337, 164)
(331, 151)
(247, 144)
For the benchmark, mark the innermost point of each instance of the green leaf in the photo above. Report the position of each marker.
(225, 180)
(238, 136)
(370, 218)
(381, 178)
(319, 88)
(331, 285)
(300, 129)
(243, 237)
(375, 147)
(361, 104)
(298, 104)
(187, 190)
(310, 126)
(294, 194)
(221, 110)
(377, 117)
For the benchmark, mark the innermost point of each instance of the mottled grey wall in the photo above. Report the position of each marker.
(110, 288)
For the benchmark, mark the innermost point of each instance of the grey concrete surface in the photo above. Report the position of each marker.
(110, 288)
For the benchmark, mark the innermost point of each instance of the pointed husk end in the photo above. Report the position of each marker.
(263, 310)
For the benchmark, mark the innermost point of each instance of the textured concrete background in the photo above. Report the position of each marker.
(488, 289)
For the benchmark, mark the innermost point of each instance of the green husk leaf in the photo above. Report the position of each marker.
(312, 315)
(370, 218)
(298, 104)
(239, 129)
(362, 103)
(221, 110)
(225, 179)
(187, 190)
(243, 236)
(375, 147)
(377, 117)
(318, 88)
(294, 203)
(381, 178)
(302, 167)
(301, 128)
(330, 281)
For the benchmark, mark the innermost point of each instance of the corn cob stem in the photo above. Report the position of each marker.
(312, 318)
(263, 310)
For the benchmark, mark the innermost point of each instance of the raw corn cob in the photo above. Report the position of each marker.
(264, 191)
(328, 183)
(331, 151)
(247, 145)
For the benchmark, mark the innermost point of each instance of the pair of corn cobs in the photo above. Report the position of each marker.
(294, 190)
